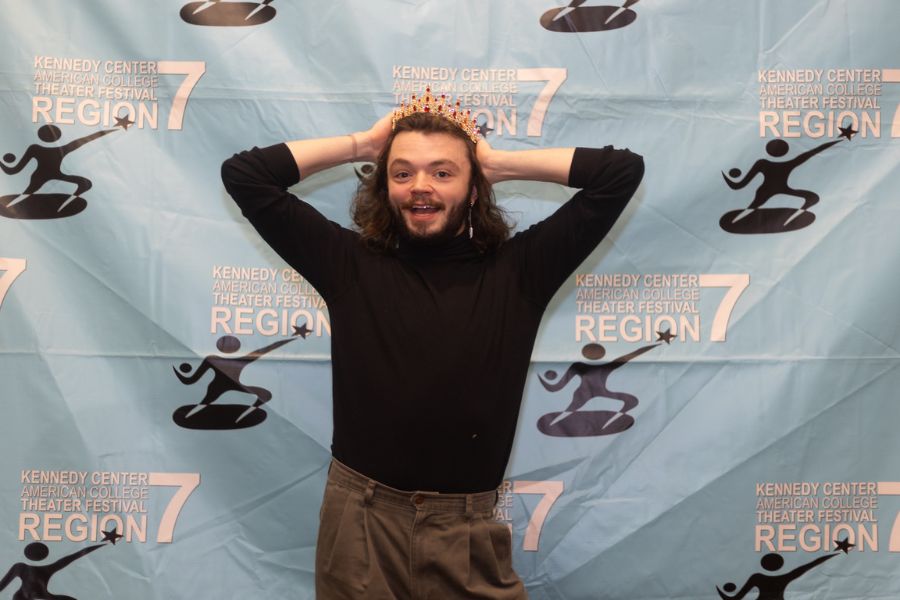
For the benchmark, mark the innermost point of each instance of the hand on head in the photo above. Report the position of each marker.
(484, 154)
(371, 142)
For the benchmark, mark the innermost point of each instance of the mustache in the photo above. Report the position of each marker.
(419, 199)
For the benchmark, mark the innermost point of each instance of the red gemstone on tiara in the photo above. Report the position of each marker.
(443, 106)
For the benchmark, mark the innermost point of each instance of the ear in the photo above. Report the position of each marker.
(474, 196)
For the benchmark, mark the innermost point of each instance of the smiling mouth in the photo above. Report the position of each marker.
(423, 209)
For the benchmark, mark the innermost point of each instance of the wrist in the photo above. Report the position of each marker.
(354, 149)
(494, 164)
(365, 147)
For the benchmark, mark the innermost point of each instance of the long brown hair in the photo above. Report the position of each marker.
(377, 222)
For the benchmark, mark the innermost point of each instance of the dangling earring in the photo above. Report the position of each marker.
(471, 204)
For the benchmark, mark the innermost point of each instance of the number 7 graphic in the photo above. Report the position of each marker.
(554, 78)
(893, 76)
(193, 70)
(11, 269)
(550, 490)
(736, 284)
(892, 488)
(186, 483)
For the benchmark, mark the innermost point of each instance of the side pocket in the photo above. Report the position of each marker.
(331, 513)
(328, 486)
(342, 554)
(501, 540)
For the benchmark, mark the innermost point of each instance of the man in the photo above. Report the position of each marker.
(434, 313)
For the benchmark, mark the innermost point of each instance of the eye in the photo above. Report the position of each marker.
(443, 174)
(401, 175)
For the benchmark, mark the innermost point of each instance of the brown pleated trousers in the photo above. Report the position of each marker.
(379, 543)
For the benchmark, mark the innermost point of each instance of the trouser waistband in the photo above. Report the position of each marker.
(374, 491)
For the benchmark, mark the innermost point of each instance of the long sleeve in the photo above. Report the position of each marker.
(257, 180)
(552, 249)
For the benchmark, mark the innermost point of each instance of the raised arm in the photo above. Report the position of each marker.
(265, 350)
(547, 164)
(76, 144)
(66, 560)
(810, 153)
(551, 250)
(320, 154)
(615, 364)
(258, 180)
(555, 386)
(748, 177)
(14, 571)
(196, 375)
(811, 564)
(27, 156)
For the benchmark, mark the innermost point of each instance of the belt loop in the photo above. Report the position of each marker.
(370, 492)
(470, 512)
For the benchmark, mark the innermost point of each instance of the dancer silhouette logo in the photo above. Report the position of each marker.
(227, 371)
(593, 376)
(35, 579)
(576, 18)
(30, 204)
(228, 14)
(757, 218)
(771, 585)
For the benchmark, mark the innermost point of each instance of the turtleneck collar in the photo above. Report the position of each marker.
(454, 249)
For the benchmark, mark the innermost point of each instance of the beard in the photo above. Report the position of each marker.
(454, 223)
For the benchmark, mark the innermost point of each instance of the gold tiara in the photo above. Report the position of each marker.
(427, 103)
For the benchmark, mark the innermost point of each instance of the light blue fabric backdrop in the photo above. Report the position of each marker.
(761, 345)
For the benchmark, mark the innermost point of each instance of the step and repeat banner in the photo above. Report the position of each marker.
(710, 410)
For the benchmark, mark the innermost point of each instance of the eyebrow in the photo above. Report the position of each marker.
(402, 162)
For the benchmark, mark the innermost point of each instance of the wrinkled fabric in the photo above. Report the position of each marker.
(379, 543)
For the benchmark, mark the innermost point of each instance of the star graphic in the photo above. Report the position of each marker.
(111, 536)
(847, 132)
(843, 545)
(124, 122)
(302, 331)
(484, 130)
(665, 336)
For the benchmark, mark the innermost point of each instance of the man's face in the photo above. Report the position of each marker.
(429, 177)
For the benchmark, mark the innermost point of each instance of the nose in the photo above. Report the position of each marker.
(421, 183)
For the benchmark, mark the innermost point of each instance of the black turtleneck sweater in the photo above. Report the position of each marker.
(431, 347)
